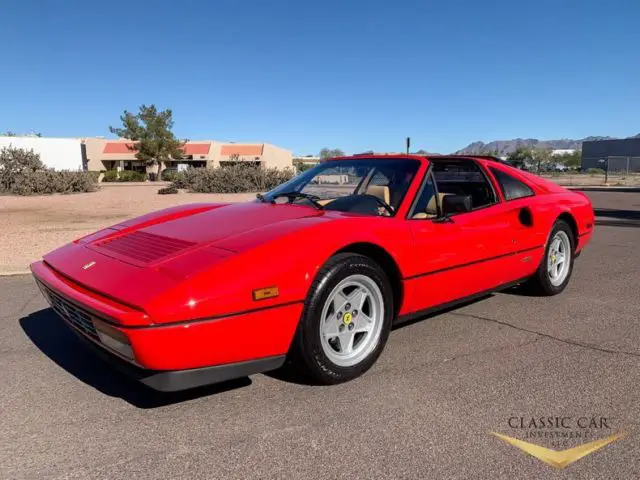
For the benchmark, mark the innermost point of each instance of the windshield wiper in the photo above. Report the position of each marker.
(291, 195)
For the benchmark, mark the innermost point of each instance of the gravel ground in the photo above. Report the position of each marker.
(424, 410)
(33, 226)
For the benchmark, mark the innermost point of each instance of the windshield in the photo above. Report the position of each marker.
(371, 186)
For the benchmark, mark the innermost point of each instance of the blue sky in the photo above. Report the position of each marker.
(356, 75)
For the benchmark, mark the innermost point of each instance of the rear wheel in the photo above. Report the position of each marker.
(556, 267)
(346, 320)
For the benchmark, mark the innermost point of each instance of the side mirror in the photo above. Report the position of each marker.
(452, 204)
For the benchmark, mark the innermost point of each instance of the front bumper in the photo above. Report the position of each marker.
(179, 355)
(176, 380)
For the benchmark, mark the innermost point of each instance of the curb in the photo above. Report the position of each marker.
(159, 183)
(601, 188)
(15, 273)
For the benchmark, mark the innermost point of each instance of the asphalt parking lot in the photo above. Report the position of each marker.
(425, 410)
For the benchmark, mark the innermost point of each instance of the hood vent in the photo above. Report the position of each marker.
(144, 247)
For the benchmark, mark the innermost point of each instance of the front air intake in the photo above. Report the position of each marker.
(144, 247)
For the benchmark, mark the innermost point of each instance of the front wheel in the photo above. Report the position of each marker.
(346, 320)
(556, 267)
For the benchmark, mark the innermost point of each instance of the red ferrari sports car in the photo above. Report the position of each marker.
(317, 270)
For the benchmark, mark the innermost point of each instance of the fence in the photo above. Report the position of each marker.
(615, 166)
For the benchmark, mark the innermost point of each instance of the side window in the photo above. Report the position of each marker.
(426, 206)
(511, 187)
(463, 178)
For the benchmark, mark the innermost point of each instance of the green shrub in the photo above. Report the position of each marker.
(110, 176)
(124, 176)
(595, 171)
(169, 175)
(131, 176)
(232, 179)
(180, 180)
(171, 189)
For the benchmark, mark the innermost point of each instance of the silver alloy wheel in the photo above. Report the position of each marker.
(559, 258)
(351, 321)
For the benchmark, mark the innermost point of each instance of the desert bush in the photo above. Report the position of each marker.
(94, 176)
(23, 173)
(180, 180)
(46, 182)
(595, 171)
(14, 162)
(171, 189)
(232, 179)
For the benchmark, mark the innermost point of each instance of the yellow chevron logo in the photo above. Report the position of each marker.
(562, 458)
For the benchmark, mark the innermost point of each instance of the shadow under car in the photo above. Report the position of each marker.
(58, 342)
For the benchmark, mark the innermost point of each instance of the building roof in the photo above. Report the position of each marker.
(197, 148)
(119, 147)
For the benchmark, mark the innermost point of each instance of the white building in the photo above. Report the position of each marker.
(562, 151)
(56, 153)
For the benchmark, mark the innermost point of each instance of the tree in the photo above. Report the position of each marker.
(520, 157)
(541, 156)
(151, 131)
(571, 160)
(327, 153)
(9, 133)
(300, 166)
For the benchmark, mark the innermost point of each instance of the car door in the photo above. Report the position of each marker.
(521, 212)
(461, 255)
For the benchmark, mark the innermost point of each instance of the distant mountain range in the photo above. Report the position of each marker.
(505, 147)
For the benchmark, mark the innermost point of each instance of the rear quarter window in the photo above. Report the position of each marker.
(511, 187)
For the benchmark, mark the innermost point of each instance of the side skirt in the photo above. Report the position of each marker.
(412, 317)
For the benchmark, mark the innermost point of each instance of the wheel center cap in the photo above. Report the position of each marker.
(347, 318)
(553, 258)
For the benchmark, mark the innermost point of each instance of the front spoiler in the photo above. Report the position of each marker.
(176, 380)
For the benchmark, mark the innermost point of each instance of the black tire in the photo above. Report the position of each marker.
(307, 349)
(540, 284)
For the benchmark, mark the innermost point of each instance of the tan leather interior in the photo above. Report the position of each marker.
(325, 201)
(431, 210)
(382, 192)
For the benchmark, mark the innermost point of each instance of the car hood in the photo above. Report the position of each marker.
(167, 238)
(137, 261)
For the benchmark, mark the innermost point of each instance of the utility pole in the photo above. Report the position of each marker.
(408, 144)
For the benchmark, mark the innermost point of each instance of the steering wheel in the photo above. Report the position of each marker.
(385, 205)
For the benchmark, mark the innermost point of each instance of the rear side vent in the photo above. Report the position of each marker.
(144, 247)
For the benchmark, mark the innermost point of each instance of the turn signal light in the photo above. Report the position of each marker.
(264, 293)
(113, 339)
